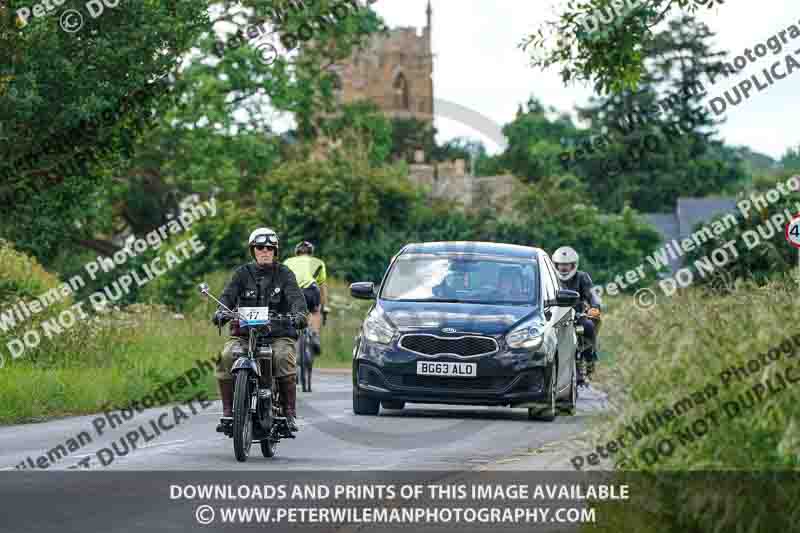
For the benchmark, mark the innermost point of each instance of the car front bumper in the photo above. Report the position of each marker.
(515, 378)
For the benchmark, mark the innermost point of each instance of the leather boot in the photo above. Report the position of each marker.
(288, 399)
(308, 377)
(226, 394)
(225, 387)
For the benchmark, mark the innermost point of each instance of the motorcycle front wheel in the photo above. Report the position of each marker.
(242, 418)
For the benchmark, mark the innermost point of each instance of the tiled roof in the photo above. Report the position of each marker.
(689, 212)
(693, 211)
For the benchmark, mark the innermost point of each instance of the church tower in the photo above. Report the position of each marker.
(394, 71)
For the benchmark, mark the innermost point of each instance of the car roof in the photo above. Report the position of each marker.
(487, 248)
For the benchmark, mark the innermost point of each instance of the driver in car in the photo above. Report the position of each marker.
(456, 281)
(509, 284)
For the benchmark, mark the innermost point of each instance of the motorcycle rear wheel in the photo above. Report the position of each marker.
(242, 418)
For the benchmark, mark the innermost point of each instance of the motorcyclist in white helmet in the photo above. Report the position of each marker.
(263, 282)
(566, 261)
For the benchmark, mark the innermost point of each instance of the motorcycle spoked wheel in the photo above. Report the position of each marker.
(269, 444)
(242, 417)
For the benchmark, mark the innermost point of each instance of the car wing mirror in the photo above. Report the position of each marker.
(363, 290)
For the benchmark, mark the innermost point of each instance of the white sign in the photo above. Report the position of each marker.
(254, 315)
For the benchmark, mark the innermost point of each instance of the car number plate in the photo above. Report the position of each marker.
(450, 369)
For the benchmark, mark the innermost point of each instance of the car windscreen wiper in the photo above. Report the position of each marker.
(454, 301)
(426, 300)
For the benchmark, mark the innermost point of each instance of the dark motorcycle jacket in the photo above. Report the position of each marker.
(254, 285)
(581, 282)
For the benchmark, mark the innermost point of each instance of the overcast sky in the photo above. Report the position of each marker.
(478, 64)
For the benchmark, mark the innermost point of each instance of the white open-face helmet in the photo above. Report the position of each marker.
(263, 236)
(565, 254)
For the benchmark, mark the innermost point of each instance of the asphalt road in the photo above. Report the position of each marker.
(419, 437)
(94, 481)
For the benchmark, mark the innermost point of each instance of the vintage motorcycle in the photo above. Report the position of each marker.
(257, 416)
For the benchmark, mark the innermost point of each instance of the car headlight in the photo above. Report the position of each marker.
(528, 336)
(376, 329)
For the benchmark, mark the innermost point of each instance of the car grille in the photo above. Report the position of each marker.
(493, 384)
(460, 346)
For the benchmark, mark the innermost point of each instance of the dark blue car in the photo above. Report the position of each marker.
(472, 323)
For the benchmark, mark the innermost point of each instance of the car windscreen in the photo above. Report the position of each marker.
(458, 278)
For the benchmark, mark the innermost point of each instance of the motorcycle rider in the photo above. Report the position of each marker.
(264, 282)
(311, 277)
(566, 262)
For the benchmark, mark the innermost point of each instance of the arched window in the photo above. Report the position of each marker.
(400, 86)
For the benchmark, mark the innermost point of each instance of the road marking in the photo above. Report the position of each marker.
(162, 444)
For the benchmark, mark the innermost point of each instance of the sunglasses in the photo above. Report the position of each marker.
(262, 247)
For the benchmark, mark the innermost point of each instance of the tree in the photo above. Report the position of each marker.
(605, 53)
(104, 112)
(362, 122)
(534, 141)
(658, 142)
(410, 134)
(791, 159)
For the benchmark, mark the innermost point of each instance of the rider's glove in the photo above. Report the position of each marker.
(299, 322)
(219, 318)
(593, 312)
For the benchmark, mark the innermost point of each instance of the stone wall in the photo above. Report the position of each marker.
(450, 181)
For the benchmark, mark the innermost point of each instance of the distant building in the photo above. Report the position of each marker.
(394, 71)
(688, 213)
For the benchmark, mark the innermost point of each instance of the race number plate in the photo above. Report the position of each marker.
(449, 369)
(256, 316)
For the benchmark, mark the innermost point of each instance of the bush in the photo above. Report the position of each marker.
(22, 279)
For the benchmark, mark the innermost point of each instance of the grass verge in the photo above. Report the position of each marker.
(683, 407)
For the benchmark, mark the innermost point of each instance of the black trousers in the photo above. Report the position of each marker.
(589, 333)
(313, 298)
